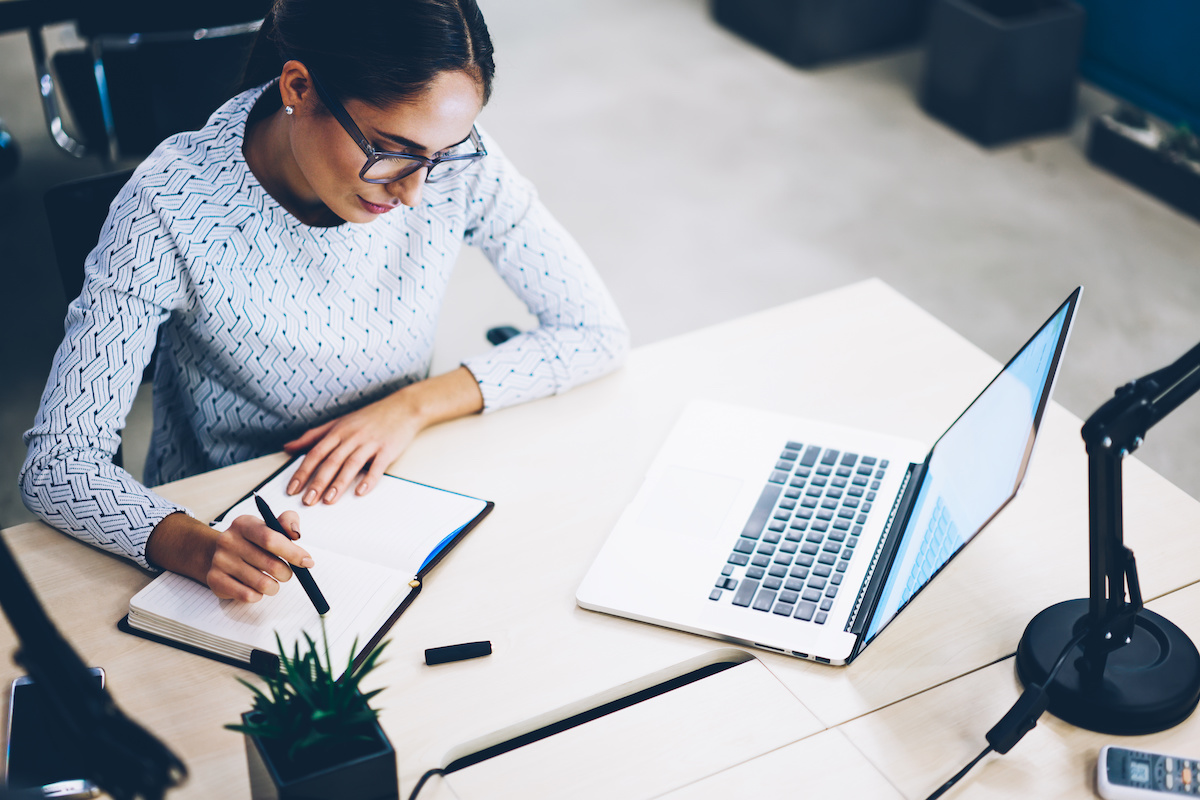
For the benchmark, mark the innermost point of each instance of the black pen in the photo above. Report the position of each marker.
(302, 573)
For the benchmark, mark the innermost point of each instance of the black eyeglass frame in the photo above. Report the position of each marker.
(375, 156)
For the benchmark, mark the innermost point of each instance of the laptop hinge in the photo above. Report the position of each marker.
(885, 551)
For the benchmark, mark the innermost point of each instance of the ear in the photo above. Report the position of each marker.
(295, 86)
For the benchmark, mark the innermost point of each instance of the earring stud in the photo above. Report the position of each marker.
(288, 110)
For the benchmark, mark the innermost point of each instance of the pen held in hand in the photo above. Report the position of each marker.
(302, 573)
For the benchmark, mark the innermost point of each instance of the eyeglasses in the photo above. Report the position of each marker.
(386, 167)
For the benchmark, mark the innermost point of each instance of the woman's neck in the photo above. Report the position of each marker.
(267, 149)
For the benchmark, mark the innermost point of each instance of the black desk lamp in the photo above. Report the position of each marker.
(1138, 672)
(121, 757)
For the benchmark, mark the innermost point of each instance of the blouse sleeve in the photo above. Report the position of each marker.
(580, 335)
(131, 282)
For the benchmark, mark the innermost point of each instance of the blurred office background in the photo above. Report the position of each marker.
(709, 178)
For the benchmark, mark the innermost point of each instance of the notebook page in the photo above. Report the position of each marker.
(397, 524)
(361, 598)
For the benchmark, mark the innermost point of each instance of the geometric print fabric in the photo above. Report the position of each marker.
(267, 326)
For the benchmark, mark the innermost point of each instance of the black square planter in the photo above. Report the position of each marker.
(998, 70)
(1168, 178)
(808, 32)
(370, 775)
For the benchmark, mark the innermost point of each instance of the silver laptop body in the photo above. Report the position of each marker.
(756, 528)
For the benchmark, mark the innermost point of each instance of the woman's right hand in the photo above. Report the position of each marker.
(246, 561)
(241, 563)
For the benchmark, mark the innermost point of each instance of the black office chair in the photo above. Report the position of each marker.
(150, 69)
(75, 234)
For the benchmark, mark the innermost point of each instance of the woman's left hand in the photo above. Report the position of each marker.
(375, 436)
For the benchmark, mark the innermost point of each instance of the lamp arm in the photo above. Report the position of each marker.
(1115, 430)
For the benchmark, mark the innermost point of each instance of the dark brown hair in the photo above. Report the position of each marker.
(389, 52)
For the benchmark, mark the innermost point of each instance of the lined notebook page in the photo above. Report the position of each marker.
(361, 596)
(397, 524)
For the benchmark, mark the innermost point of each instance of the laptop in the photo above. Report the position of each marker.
(808, 538)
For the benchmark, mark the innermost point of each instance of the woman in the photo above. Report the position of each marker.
(291, 257)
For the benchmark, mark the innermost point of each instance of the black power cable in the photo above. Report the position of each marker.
(1019, 720)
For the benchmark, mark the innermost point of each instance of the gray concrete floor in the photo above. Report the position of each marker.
(708, 180)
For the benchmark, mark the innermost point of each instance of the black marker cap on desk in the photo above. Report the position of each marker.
(457, 652)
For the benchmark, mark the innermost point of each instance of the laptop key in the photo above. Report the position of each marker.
(783, 558)
(841, 565)
(868, 460)
(826, 513)
(836, 578)
(804, 560)
(726, 583)
(789, 547)
(744, 545)
(727, 570)
(827, 558)
(760, 560)
(741, 559)
(789, 596)
(836, 535)
(821, 617)
(830, 458)
(824, 470)
(772, 583)
(805, 611)
(810, 549)
(793, 584)
(827, 604)
(771, 537)
(778, 477)
(792, 493)
(813, 583)
(799, 573)
(810, 456)
(715, 594)
(762, 511)
(794, 535)
(755, 572)
(870, 497)
(745, 593)
(764, 600)
(783, 466)
(883, 464)
(823, 570)
(777, 525)
(831, 590)
(811, 595)
(766, 549)
(844, 472)
(783, 609)
(794, 445)
(832, 546)
(777, 571)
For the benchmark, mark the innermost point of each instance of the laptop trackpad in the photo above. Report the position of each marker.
(689, 502)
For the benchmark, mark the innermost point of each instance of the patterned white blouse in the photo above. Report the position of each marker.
(268, 326)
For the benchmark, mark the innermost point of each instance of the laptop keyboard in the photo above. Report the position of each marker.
(940, 541)
(795, 548)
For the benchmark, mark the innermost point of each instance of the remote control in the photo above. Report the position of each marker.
(1124, 774)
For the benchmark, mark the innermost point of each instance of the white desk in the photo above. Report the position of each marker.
(560, 471)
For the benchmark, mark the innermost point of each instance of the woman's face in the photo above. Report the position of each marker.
(328, 161)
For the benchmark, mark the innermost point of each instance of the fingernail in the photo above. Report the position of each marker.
(311, 497)
(362, 488)
(307, 562)
(296, 529)
(294, 486)
(332, 493)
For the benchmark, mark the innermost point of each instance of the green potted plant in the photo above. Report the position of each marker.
(312, 733)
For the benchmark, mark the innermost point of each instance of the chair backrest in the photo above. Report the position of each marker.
(76, 212)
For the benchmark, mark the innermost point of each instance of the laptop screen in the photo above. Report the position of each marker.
(976, 467)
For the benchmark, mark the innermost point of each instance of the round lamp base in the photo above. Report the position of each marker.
(1149, 685)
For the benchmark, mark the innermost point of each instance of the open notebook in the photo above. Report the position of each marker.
(371, 552)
